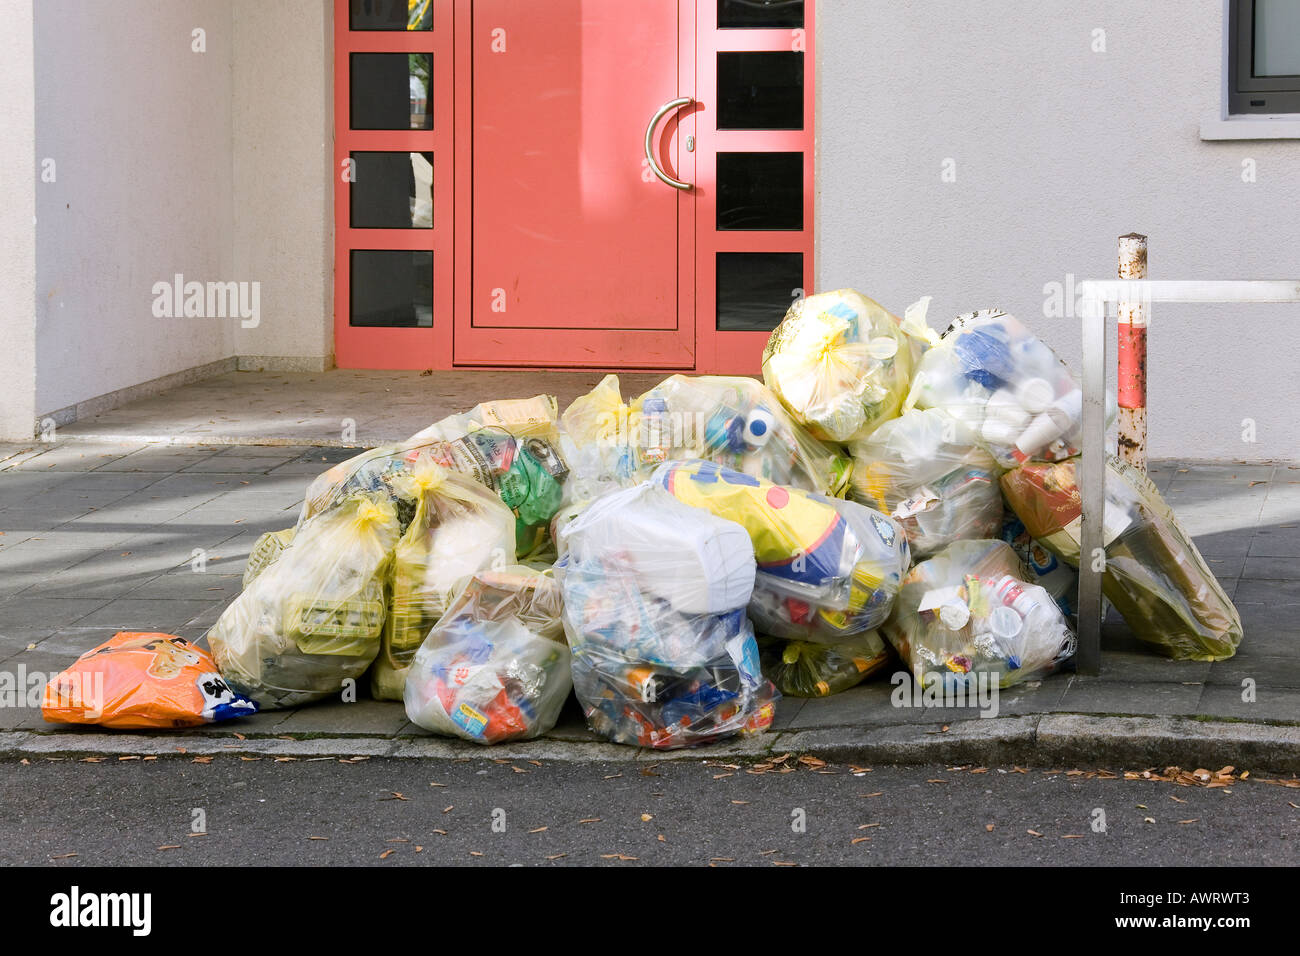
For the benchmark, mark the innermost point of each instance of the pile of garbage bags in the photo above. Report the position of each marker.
(680, 561)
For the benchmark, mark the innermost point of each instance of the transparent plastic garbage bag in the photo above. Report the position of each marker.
(970, 610)
(925, 471)
(496, 667)
(1018, 399)
(827, 568)
(654, 598)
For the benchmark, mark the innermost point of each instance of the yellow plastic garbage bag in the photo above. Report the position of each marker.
(496, 667)
(313, 619)
(510, 447)
(459, 528)
(807, 669)
(840, 363)
(266, 549)
(1154, 574)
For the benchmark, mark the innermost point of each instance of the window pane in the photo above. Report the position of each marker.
(392, 288)
(760, 13)
(391, 15)
(760, 190)
(391, 91)
(756, 288)
(760, 90)
(392, 191)
(1277, 38)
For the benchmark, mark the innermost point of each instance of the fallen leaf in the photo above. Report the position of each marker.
(399, 796)
(557, 856)
(539, 830)
(857, 840)
(876, 794)
(988, 828)
(616, 856)
(439, 832)
(1193, 820)
(63, 856)
(646, 817)
(435, 783)
(475, 853)
(1033, 833)
(590, 820)
(722, 859)
(448, 809)
(170, 846)
(317, 838)
(386, 854)
(868, 826)
(741, 803)
(1072, 836)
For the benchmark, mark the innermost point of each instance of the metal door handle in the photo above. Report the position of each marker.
(649, 139)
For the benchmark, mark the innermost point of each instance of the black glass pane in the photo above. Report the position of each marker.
(760, 190)
(392, 191)
(756, 288)
(760, 13)
(760, 90)
(391, 91)
(390, 15)
(392, 288)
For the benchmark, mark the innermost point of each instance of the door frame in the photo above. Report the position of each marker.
(720, 352)
(375, 347)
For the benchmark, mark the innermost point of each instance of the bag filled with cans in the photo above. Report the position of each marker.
(654, 596)
(496, 666)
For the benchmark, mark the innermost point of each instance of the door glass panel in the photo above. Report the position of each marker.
(392, 191)
(760, 90)
(392, 288)
(391, 91)
(756, 288)
(390, 15)
(760, 190)
(760, 13)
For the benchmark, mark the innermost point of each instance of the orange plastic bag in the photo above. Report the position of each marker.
(136, 680)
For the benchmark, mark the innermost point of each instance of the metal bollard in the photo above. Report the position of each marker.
(1132, 386)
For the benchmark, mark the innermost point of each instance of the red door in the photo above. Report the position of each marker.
(579, 255)
(574, 183)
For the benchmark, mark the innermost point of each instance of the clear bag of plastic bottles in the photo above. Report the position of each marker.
(1059, 579)
(1154, 574)
(654, 609)
(808, 669)
(969, 611)
(827, 568)
(925, 471)
(458, 527)
(1018, 399)
(313, 618)
(496, 667)
(840, 363)
(511, 447)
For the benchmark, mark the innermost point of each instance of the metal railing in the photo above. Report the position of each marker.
(1097, 295)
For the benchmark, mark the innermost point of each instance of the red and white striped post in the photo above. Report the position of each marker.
(1132, 385)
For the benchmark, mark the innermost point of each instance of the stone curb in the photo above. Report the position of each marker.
(1073, 740)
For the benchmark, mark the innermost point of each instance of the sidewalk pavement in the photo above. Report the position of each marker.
(102, 530)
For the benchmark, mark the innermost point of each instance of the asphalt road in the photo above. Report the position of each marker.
(389, 812)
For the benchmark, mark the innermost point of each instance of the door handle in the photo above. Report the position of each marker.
(649, 141)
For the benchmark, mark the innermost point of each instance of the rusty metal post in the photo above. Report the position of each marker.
(1132, 385)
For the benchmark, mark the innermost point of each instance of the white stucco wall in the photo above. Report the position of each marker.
(139, 127)
(1058, 150)
(283, 202)
(17, 238)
